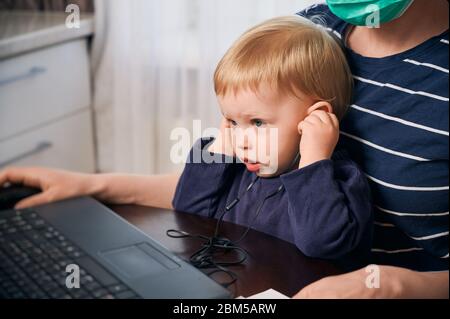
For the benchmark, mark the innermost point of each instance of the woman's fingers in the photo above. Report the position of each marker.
(3, 177)
(38, 199)
(55, 184)
(16, 175)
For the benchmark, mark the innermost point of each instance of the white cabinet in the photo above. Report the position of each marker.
(65, 144)
(45, 107)
(42, 86)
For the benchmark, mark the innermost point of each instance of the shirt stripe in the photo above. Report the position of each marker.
(433, 66)
(378, 250)
(399, 120)
(407, 188)
(383, 224)
(384, 149)
(399, 88)
(335, 33)
(410, 214)
(431, 236)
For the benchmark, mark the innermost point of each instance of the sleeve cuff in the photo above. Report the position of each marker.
(300, 178)
(199, 154)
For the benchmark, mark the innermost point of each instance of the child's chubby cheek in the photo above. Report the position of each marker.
(284, 155)
(268, 151)
(260, 154)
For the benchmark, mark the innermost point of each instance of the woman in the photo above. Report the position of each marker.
(397, 130)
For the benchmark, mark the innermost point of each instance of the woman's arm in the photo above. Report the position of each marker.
(146, 190)
(150, 190)
(153, 190)
(394, 282)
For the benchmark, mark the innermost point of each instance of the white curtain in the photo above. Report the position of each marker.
(153, 62)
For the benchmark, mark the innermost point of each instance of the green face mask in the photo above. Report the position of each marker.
(370, 13)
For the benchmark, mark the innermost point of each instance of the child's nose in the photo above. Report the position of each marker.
(243, 142)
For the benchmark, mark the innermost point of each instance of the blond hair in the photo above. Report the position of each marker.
(292, 55)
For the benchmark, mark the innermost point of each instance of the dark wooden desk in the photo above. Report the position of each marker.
(272, 263)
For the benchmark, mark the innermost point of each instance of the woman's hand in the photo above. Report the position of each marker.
(394, 282)
(319, 135)
(223, 143)
(55, 184)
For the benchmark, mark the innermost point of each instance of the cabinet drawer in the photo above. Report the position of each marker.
(43, 85)
(65, 144)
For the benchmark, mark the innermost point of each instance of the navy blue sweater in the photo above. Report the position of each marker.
(324, 208)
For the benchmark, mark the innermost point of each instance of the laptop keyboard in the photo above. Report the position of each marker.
(33, 260)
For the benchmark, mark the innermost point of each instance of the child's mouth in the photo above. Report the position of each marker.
(252, 167)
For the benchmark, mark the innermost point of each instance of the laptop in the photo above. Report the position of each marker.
(79, 248)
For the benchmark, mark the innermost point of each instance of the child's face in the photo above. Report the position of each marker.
(264, 129)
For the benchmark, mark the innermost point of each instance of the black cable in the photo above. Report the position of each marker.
(215, 246)
(279, 189)
(204, 257)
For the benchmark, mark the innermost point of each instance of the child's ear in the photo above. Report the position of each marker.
(321, 105)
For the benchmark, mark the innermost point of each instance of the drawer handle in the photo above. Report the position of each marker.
(40, 147)
(36, 70)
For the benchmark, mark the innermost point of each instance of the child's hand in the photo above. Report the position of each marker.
(319, 135)
(223, 143)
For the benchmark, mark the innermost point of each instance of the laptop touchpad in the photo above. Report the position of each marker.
(138, 260)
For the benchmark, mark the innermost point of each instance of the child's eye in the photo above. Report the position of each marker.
(233, 123)
(258, 122)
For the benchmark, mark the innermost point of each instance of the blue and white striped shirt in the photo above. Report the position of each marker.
(397, 130)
